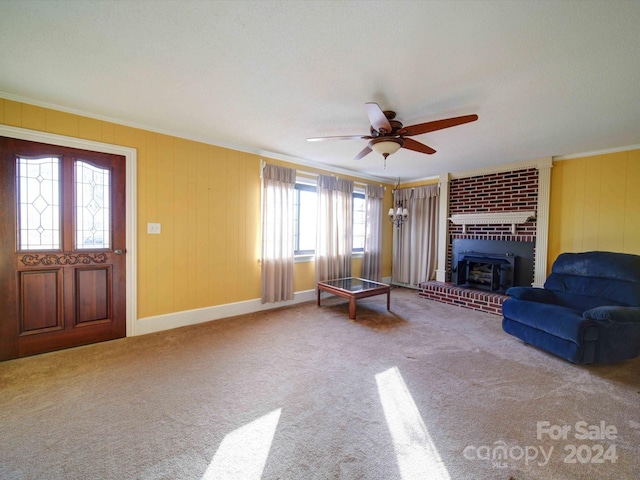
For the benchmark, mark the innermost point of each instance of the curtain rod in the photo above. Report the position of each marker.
(315, 175)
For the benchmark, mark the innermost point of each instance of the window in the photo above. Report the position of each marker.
(93, 215)
(304, 227)
(359, 218)
(39, 198)
(39, 203)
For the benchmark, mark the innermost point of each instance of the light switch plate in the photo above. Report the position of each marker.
(153, 228)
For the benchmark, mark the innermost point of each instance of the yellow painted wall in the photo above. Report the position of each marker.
(207, 199)
(595, 204)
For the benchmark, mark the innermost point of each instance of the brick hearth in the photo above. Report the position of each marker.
(507, 191)
(516, 188)
(462, 297)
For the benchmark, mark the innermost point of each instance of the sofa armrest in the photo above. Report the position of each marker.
(531, 294)
(613, 314)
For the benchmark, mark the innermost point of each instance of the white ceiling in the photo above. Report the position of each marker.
(546, 78)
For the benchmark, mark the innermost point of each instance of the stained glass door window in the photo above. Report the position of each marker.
(39, 203)
(93, 214)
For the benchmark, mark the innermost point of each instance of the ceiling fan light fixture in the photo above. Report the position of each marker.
(388, 135)
(386, 146)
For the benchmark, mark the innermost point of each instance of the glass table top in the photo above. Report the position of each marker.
(354, 284)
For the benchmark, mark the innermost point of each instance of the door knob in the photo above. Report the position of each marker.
(118, 251)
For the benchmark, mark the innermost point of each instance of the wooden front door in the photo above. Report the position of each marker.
(62, 247)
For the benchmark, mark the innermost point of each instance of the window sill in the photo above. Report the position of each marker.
(312, 257)
(304, 258)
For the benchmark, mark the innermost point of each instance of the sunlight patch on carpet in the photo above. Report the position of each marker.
(243, 453)
(417, 455)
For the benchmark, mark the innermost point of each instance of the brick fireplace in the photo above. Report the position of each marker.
(505, 206)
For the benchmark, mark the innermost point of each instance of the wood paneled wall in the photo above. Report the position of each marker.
(207, 200)
(595, 204)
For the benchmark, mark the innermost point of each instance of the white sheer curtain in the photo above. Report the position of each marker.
(372, 260)
(416, 241)
(277, 233)
(335, 228)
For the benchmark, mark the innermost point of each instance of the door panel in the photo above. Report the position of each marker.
(92, 295)
(62, 220)
(40, 301)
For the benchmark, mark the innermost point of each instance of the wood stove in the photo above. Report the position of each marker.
(485, 271)
(493, 253)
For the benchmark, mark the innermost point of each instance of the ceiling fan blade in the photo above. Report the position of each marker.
(340, 137)
(377, 117)
(411, 144)
(438, 125)
(365, 151)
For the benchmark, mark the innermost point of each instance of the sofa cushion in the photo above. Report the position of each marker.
(615, 266)
(559, 297)
(581, 302)
(607, 275)
(563, 322)
(611, 314)
(532, 294)
(550, 343)
(601, 290)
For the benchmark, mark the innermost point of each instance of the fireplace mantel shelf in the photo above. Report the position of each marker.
(493, 218)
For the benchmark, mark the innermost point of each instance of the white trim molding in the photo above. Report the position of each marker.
(130, 155)
(443, 228)
(542, 223)
(596, 152)
(185, 318)
(493, 218)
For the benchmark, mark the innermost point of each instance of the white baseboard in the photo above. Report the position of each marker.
(168, 321)
(406, 285)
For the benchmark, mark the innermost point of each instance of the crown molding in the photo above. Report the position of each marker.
(597, 152)
(209, 141)
(543, 162)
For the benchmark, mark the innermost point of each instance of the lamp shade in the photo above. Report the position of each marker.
(387, 147)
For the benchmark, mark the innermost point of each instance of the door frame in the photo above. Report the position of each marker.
(130, 155)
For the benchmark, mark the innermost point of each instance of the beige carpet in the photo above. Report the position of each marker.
(427, 391)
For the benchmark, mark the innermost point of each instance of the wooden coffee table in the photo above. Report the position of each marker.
(353, 288)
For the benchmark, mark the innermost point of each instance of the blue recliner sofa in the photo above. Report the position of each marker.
(587, 312)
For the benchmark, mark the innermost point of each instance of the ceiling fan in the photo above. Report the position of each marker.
(388, 135)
